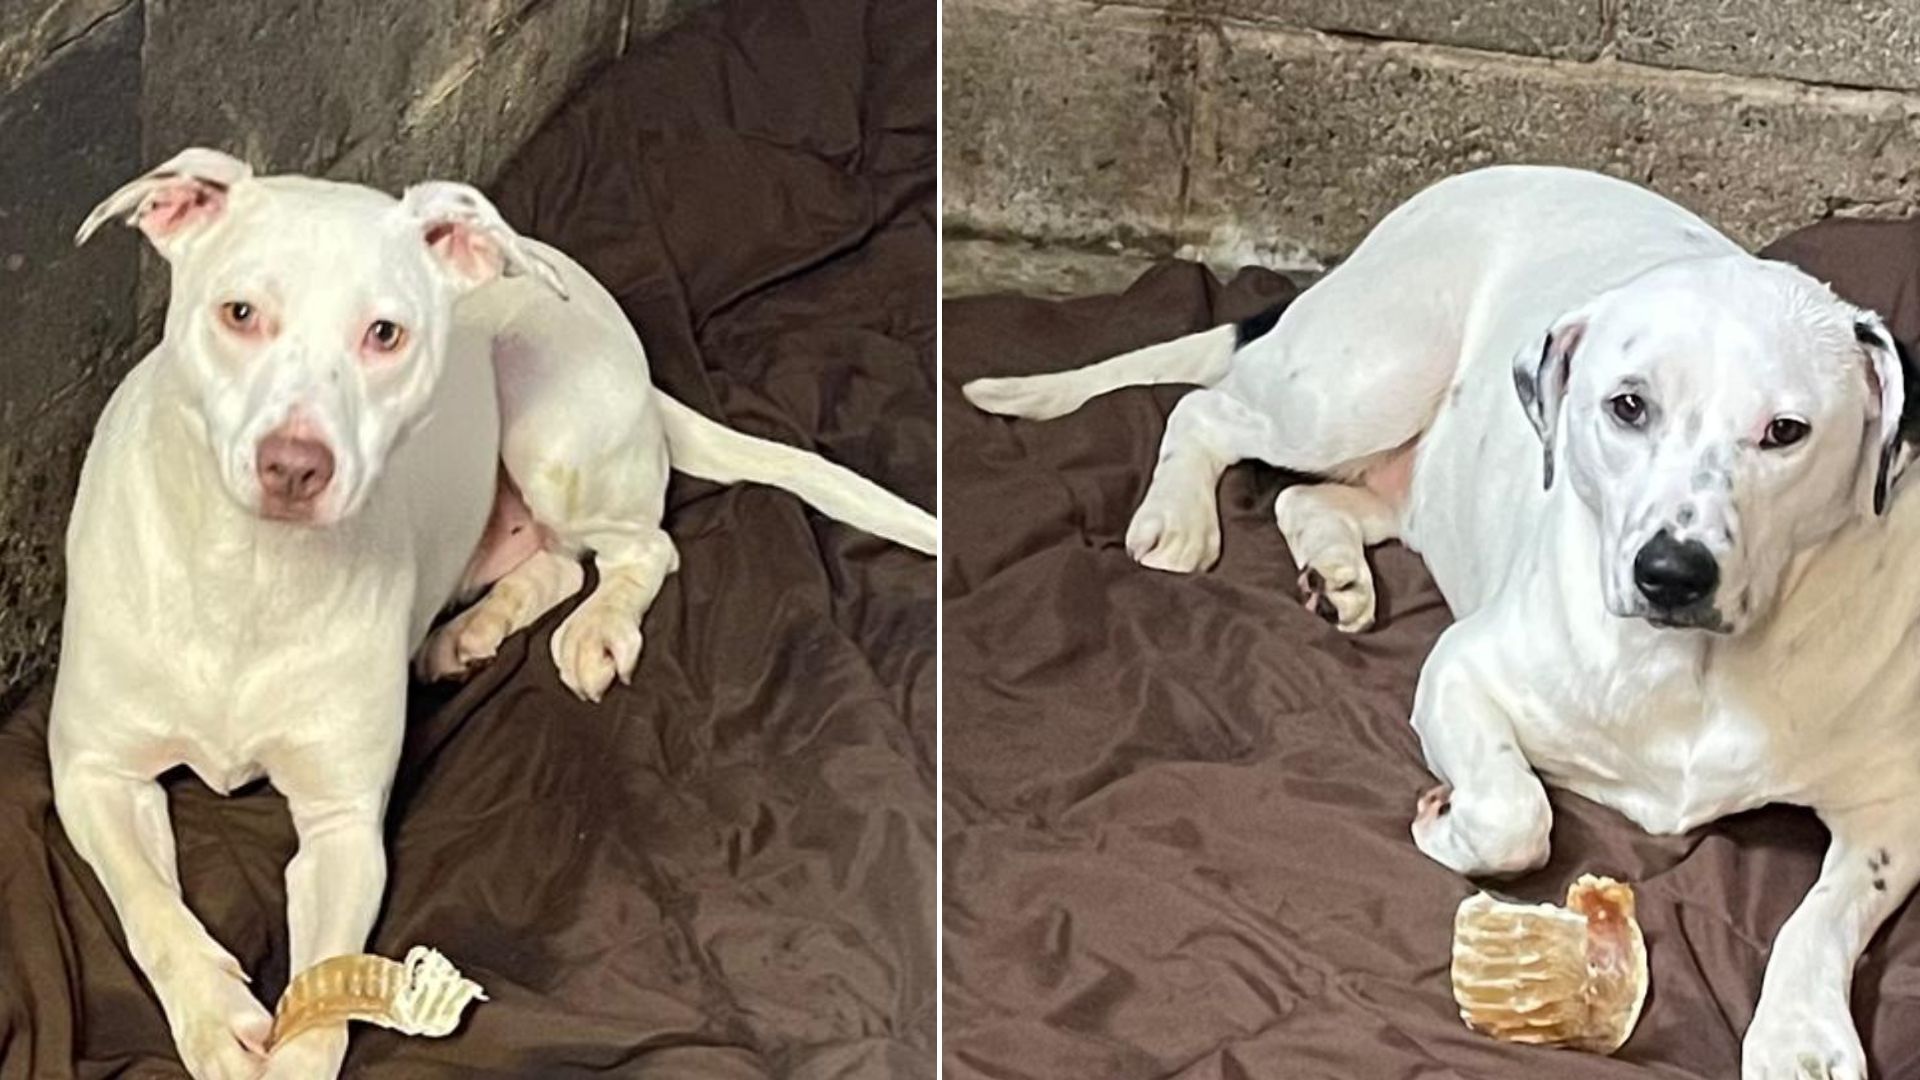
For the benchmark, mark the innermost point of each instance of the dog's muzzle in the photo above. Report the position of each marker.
(1677, 578)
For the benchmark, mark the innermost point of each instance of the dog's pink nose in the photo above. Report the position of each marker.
(293, 470)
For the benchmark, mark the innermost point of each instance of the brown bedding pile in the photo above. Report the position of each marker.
(726, 870)
(1177, 807)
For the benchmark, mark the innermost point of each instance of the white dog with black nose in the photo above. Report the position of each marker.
(1682, 585)
(362, 409)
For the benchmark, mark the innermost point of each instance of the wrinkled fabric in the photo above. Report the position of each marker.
(1176, 808)
(726, 870)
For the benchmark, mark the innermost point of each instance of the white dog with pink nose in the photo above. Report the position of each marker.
(362, 409)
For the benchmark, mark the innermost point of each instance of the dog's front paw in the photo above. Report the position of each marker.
(219, 1027)
(1177, 538)
(311, 1055)
(1809, 1039)
(598, 643)
(1478, 837)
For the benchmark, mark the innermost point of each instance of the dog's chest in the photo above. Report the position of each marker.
(248, 647)
(217, 762)
(1655, 747)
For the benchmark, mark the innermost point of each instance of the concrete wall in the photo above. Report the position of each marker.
(94, 91)
(1279, 130)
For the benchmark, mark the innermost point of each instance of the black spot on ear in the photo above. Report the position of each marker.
(1247, 330)
(1908, 433)
(1910, 378)
(1529, 390)
(1879, 885)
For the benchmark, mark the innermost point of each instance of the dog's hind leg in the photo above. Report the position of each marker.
(600, 641)
(600, 489)
(1177, 525)
(1333, 386)
(584, 444)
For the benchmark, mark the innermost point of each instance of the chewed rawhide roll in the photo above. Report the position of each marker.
(421, 995)
(1534, 973)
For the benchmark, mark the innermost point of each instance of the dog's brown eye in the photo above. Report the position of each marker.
(386, 336)
(1628, 409)
(238, 315)
(1784, 431)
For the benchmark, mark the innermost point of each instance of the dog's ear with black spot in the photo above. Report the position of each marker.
(1540, 376)
(469, 239)
(175, 202)
(1893, 404)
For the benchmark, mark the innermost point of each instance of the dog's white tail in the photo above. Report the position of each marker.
(1201, 358)
(712, 451)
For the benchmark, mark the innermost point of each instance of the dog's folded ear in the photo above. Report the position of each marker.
(1893, 397)
(175, 201)
(467, 236)
(1540, 377)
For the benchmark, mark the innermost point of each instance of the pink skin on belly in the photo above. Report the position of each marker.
(1392, 478)
(511, 538)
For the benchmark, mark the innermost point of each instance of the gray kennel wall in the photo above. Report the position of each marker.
(1278, 130)
(94, 91)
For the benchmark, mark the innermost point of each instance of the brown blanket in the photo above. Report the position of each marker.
(1177, 807)
(727, 869)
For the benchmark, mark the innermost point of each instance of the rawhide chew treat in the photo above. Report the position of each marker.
(421, 995)
(1535, 973)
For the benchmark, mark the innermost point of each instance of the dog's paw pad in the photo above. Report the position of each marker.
(1434, 804)
(1340, 595)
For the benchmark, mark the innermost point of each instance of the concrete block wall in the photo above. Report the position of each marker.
(1278, 131)
(94, 91)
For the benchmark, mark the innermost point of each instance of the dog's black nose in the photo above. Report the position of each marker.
(1673, 573)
